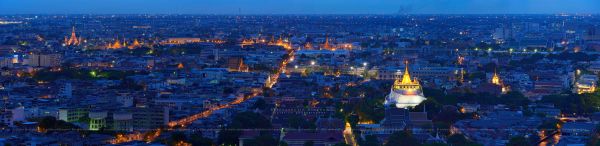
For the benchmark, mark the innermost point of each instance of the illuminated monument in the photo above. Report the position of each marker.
(496, 79)
(498, 82)
(405, 93)
(73, 41)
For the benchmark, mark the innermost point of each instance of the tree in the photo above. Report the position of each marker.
(574, 103)
(341, 144)
(297, 121)
(518, 141)
(51, 123)
(283, 143)
(176, 137)
(435, 144)
(309, 143)
(514, 99)
(370, 140)
(243, 120)
(260, 104)
(197, 139)
(460, 140)
(264, 139)
(402, 138)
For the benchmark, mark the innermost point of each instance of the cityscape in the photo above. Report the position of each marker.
(330, 79)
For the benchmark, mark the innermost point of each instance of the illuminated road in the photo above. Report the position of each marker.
(152, 135)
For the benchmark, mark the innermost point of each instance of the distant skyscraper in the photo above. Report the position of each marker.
(44, 60)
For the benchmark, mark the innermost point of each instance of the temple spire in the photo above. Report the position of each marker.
(73, 40)
(406, 76)
(496, 78)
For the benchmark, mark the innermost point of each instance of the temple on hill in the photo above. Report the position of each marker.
(73, 40)
(406, 92)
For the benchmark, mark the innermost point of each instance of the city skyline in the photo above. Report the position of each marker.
(300, 72)
(246, 7)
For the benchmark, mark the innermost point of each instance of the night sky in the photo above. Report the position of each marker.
(298, 6)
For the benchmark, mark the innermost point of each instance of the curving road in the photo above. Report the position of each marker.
(152, 135)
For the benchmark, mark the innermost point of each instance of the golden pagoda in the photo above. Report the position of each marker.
(406, 92)
(308, 45)
(73, 40)
(136, 44)
(496, 79)
(115, 45)
(272, 41)
(180, 66)
(406, 82)
(328, 46)
(279, 41)
(247, 42)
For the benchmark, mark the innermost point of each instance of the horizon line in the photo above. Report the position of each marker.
(300, 14)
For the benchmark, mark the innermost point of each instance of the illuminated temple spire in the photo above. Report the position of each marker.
(115, 45)
(135, 44)
(496, 79)
(73, 40)
(327, 45)
(406, 76)
(308, 45)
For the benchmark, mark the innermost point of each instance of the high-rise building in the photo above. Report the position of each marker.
(44, 60)
(97, 120)
(122, 121)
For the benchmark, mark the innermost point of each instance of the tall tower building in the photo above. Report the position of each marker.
(406, 92)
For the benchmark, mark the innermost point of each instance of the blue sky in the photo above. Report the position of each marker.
(298, 6)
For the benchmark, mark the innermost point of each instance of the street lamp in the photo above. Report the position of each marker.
(365, 64)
